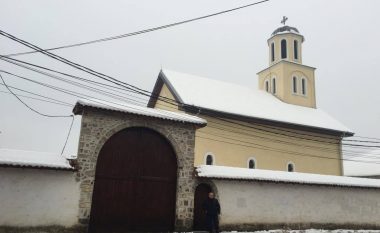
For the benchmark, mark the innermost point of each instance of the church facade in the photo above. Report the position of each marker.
(277, 127)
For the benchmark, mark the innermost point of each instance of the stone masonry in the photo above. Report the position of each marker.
(98, 125)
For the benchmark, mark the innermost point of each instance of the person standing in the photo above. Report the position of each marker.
(211, 207)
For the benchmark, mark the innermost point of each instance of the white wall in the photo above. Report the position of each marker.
(261, 203)
(35, 197)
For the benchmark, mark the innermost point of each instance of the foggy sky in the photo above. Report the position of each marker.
(341, 41)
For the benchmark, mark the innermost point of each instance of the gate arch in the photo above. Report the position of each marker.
(135, 183)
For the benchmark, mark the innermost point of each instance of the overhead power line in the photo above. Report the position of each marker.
(98, 74)
(26, 105)
(142, 31)
(278, 149)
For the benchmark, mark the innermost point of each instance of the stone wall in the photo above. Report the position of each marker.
(99, 125)
(251, 205)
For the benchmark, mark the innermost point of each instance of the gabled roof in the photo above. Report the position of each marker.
(23, 158)
(234, 173)
(229, 98)
(138, 110)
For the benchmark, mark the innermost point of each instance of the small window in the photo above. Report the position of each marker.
(251, 163)
(272, 52)
(267, 85)
(209, 160)
(291, 167)
(303, 86)
(295, 49)
(274, 85)
(294, 84)
(283, 49)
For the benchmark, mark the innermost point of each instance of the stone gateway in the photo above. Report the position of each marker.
(136, 171)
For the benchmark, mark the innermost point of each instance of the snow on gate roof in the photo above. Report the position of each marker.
(221, 172)
(245, 101)
(144, 111)
(22, 158)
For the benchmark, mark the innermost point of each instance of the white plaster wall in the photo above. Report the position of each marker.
(279, 203)
(35, 197)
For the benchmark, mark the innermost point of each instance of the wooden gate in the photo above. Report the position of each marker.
(201, 194)
(135, 183)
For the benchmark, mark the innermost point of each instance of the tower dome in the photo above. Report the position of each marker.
(286, 29)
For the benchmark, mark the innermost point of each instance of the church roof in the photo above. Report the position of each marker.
(139, 110)
(23, 158)
(235, 99)
(235, 173)
(285, 28)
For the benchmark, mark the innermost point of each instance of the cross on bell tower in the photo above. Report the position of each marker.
(284, 19)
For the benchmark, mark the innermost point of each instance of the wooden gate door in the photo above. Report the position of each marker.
(201, 194)
(135, 183)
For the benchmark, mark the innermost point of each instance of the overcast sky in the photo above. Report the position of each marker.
(341, 41)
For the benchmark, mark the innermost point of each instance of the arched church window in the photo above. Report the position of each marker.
(291, 167)
(274, 85)
(272, 51)
(209, 159)
(266, 85)
(251, 163)
(303, 86)
(283, 49)
(295, 49)
(294, 84)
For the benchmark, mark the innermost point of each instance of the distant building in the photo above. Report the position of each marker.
(277, 127)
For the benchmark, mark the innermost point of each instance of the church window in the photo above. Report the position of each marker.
(295, 49)
(251, 163)
(272, 52)
(209, 159)
(274, 85)
(294, 84)
(291, 167)
(303, 86)
(266, 85)
(283, 49)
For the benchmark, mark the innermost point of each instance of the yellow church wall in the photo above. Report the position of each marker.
(289, 37)
(232, 144)
(283, 72)
(165, 92)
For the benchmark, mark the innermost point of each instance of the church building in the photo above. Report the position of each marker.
(277, 127)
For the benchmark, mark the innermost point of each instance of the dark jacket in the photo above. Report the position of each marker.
(211, 206)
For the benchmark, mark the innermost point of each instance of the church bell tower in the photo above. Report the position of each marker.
(286, 77)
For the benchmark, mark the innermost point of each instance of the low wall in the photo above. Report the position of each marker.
(38, 197)
(251, 205)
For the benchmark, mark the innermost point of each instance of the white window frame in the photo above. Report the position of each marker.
(274, 87)
(298, 50)
(302, 89)
(287, 166)
(254, 160)
(297, 89)
(212, 156)
(265, 85)
(286, 48)
(272, 52)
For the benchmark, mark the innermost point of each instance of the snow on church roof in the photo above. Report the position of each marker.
(221, 172)
(245, 101)
(23, 158)
(145, 111)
